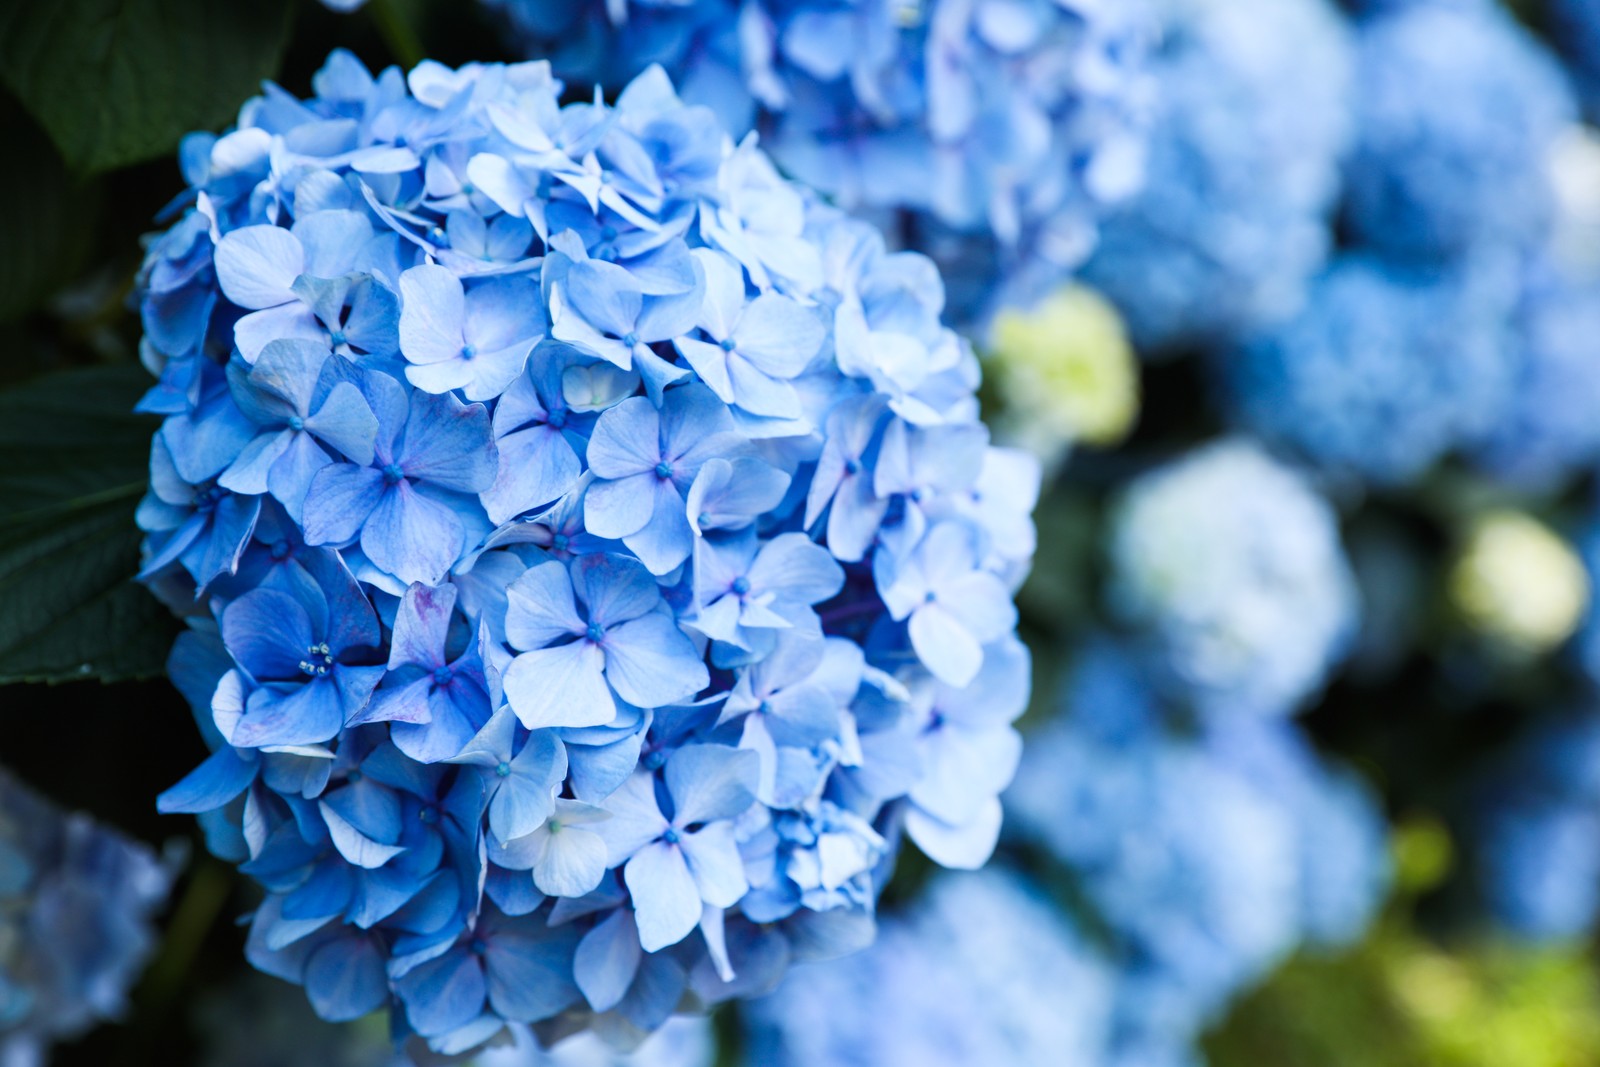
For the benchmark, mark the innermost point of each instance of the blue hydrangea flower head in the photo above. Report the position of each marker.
(1227, 567)
(983, 970)
(1252, 120)
(1543, 432)
(1385, 371)
(1537, 817)
(593, 558)
(990, 134)
(1205, 854)
(78, 903)
(1458, 110)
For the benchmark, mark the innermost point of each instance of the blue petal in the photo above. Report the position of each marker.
(256, 265)
(443, 994)
(223, 776)
(560, 686)
(614, 588)
(607, 959)
(710, 782)
(345, 979)
(666, 903)
(413, 537)
(651, 663)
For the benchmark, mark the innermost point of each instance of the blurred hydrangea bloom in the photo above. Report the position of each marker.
(593, 555)
(1227, 569)
(1206, 852)
(1385, 371)
(1544, 431)
(1253, 117)
(683, 1041)
(999, 131)
(981, 971)
(77, 907)
(1458, 111)
(1537, 830)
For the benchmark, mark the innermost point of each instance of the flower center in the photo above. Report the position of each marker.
(443, 675)
(392, 474)
(663, 470)
(469, 351)
(630, 339)
(727, 344)
(560, 542)
(429, 815)
(557, 420)
(765, 708)
(296, 423)
(671, 836)
(852, 467)
(336, 338)
(653, 760)
(319, 657)
(504, 770)
(438, 236)
(280, 549)
(741, 585)
(596, 632)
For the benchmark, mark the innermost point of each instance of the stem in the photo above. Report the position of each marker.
(397, 32)
(192, 921)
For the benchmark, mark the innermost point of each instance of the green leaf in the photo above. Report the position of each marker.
(72, 470)
(121, 81)
(52, 221)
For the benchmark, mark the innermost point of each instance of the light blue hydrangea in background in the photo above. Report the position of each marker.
(1228, 572)
(592, 552)
(1387, 369)
(1458, 111)
(1252, 118)
(990, 134)
(982, 970)
(78, 903)
(1207, 851)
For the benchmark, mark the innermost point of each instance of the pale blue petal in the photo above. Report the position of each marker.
(666, 903)
(651, 663)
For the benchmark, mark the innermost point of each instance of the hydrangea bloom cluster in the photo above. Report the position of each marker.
(1252, 118)
(982, 971)
(1386, 370)
(1542, 432)
(593, 553)
(998, 130)
(1227, 569)
(1207, 852)
(77, 907)
(1538, 830)
(1458, 112)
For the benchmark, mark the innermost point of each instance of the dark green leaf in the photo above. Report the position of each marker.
(120, 81)
(72, 469)
(50, 219)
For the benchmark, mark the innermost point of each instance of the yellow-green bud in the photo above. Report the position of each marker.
(1064, 373)
(1519, 584)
